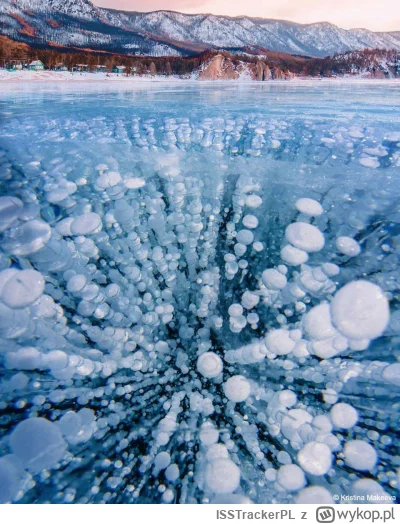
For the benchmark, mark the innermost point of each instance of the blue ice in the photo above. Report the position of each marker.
(199, 293)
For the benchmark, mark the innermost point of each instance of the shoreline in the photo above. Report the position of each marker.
(7, 77)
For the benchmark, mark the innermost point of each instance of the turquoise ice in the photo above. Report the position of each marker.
(199, 292)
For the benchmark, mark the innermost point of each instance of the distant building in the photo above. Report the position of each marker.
(61, 67)
(81, 68)
(14, 64)
(119, 69)
(36, 65)
(100, 69)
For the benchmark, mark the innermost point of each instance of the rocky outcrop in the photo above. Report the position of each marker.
(222, 67)
(262, 72)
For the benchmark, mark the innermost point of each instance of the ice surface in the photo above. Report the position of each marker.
(199, 293)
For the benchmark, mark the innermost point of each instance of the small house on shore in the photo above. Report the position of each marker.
(36, 65)
(81, 68)
(100, 69)
(121, 69)
(61, 67)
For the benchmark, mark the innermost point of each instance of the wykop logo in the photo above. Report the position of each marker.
(325, 514)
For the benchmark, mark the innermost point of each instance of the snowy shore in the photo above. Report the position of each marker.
(66, 76)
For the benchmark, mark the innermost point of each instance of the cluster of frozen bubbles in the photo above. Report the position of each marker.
(151, 349)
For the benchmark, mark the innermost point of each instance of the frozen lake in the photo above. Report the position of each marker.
(325, 98)
(199, 292)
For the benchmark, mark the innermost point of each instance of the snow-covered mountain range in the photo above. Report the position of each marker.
(79, 23)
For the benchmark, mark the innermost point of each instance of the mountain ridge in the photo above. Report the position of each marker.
(171, 33)
(239, 17)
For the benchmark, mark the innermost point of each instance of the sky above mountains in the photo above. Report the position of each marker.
(382, 15)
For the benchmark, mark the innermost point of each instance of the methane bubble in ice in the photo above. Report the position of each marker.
(22, 288)
(273, 279)
(343, 415)
(359, 455)
(86, 224)
(305, 237)
(10, 478)
(250, 221)
(293, 256)
(27, 237)
(38, 444)
(193, 310)
(314, 495)
(309, 207)
(10, 208)
(209, 365)
(237, 388)
(222, 476)
(348, 246)
(360, 310)
(278, 341)
(290, 477)
(315, 458)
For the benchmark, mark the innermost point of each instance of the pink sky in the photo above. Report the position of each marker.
(378, 15)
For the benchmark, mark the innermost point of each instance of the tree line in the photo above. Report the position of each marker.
(141, 65)
(344, 63)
